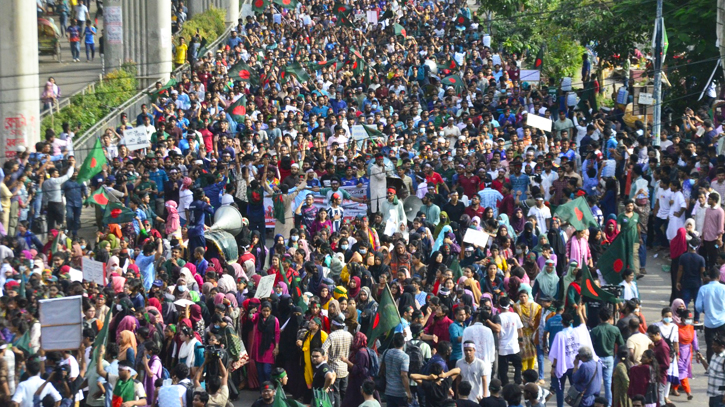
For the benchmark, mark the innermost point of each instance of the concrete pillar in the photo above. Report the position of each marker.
(232, 8)
(139, 31)
(19, 102)
(196, 6)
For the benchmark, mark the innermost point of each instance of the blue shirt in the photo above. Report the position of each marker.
(146, 267)
(553, 326)
(490, 198)
(73, 192)
(197, 213)
(159, 177)
(455, 330)
(141, 214)
(582, 377)
(711, 301)
(519, 183)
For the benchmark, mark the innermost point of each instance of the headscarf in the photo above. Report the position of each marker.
(283, 285)
(324, 300)
(359, 342)
(239, 271)
(113, 261)
(442, 235)
(172, 219)
(118, 283)
(548, 282)
(471, 285)
(232, 299)
(266, 327)
(126, 340)
(675, 305)
(186, 183)
(478, 222)
(219, 299)
(129, 324)
(611, 235)
(678, 245)
(154, 302)
(518, 223)
(226, 284)
(503, 220)
(195, 314)
(441, 224)
(407, 299)
(353, 292)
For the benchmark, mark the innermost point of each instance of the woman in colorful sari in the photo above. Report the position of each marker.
(688, 346)
(313, 339)
(530, 314)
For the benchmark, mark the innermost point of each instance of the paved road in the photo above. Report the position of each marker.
(70, 76)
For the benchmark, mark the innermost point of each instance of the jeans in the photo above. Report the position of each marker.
(73, 218)
(393, 401)
(55, 215)
(642, 258)
(660, 238)
(607, 371)
(664, 391)
(690, 294)
(710, 335)
(264, 371)
(197, 241)
(715, 401)
(503, 368)
(338, 395)
(90, 51)
(540, 361)
(558, 385)
(75, 49)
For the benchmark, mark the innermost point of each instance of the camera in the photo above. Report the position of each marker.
(212, 350)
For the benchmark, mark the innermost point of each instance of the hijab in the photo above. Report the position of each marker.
(126, 340)
(677, 303)
(359, 342)
(441, 224)
(610, 235)
(518, 222)
(503, 220)
(129, 324)
(283, 285)
(172, 220)
(353, 292)
(442, 235)
(195, 314)
(407, 299)
(678, 245)
(266, 327)
(471, 285)
(548, 282)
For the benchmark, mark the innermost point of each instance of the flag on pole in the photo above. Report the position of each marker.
(577, 213)
(258, 6)
(93, 164)
(288, 4)
(539, 61)
(617, 258)
(664, 41)
(386, 318)
(592, 290)
(243, 72)
(100, 198)
(116, 212)
(238, 109)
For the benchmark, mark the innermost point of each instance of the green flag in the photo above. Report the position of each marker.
(456, 269)
(617, 258)
(577, 213)
(295, 289)
(462, 20)
(93, 164)
(288, 4)
(57, 243)
(453, 80)
(539, 61)
(100, 198)
(23, 343)
(345, 20)
(386, 318)
(315, 65)
(592, 290)
(258, 6)
(358, 67)
(342, 9)
(154, 95)
(243, 72)
(238, 109)
(376, 136)
(100, 341)
(295, 69)
(116, 212)
(400, 30)
(450, 65)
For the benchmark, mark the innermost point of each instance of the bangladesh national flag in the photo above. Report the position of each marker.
(93, 164)
(400, 30)
(342, 9)
(243, 72)
(450, 65)
(462, 20)
(453, 80)
(296, 70)
(57, 243)
(238, 109)
(116, 212)
(358, 66)
(288, 4)
(345, 20)
(577, 213)
(164, 89)
(376, 136)
(539, 61)
(321, 64)
(101, 198)
(592, 290)
(23, 343)
(296, 291)
(258, 6)
(100, 340)
(617, 258)
(386, 318)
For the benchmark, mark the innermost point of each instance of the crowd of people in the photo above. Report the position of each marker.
(476, 320)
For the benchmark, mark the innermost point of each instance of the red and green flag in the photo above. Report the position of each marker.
(154, 95)
(358, 66)
(376, 136)
(116, 212)
(288, 4)
(258, 6)
(100, 340)
(296, 291)
(296, 70)
(453, 80)
(101, 198)
(617, 258)
(591, 290)
(321, 64)
(23, 343)
(539, 61)
(451, 65)
(400, 30)
(342, 9)
(93, 164)
(243, 72)
(345, 20)
(577, 213)
(462, 20)
(386, 318)
(238, 109)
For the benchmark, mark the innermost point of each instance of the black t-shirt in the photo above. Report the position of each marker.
(466, 403)
(492, 402)
(454, 211)
(261, 403)
(318, 380)
(436, 393)
(692, 265)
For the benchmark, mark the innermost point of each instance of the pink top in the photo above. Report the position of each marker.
(713, 226)
(267, 356)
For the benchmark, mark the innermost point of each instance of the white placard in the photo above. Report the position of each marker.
(539, 122)
(75, 275)
(487, 40)
(94, 271)
(61, 323)
(476, 237)
(358, 132)
(496, 58)
(136, 138)
(372, 16)
(277, 18)
(530, 75)
(645, 99)
(114, 34)
(609, 169)
(266, 284)
(183, 303)
(360, 16)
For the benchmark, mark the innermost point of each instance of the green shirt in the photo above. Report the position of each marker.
(604, 337)
(629, 227)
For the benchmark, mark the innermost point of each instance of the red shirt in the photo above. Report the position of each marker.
(469, 184)
(507, 205)
(433, 180)
(439, 328)
(208, 139)
(475, 212)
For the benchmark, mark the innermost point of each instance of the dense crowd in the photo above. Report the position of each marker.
(460, 297)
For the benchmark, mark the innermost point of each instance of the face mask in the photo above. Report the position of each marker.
(688, 321)
(636, 310)
(363, 251)
(667, 320)
(216, 326)
(83, 247)
(344, 247)
(294, 238)
(519, 251)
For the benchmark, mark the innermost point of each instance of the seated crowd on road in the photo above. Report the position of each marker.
(451, 255)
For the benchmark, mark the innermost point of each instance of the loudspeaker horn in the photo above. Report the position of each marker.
(411, 206)
(228, 219)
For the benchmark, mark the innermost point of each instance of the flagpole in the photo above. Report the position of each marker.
(657, 118)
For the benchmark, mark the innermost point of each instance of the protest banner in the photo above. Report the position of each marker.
(61, 323)
(94, 271)
(266, 284)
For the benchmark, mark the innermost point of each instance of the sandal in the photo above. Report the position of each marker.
(675, 393)
(689, 397)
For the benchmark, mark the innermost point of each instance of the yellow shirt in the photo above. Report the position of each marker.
(180, 57)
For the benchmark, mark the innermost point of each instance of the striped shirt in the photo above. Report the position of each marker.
(396, 361)
(337, 345)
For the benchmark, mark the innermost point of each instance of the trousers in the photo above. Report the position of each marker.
(503, 368)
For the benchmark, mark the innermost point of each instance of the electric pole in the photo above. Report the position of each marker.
(658, 58)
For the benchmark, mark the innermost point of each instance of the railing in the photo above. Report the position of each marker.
(55, 108)
(131, 107)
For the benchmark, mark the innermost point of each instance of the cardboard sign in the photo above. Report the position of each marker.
(476, 237)
(645, 99)
(136, 138)
(266, 284)
(539, 122)
(61, 323)
(530, 75)
(75, 275)
(94, 271)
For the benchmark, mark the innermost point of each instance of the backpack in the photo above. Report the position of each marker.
(416, 357)
(189, 392)
(374, 363)
(422, 72)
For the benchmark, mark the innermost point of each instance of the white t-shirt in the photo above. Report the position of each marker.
(185, 200)
(508, 338)
(541, 215)
(81, 11)
(25, 391)
(664, 196)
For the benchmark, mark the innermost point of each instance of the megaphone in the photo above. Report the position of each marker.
(228, 219)
(411, 206)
